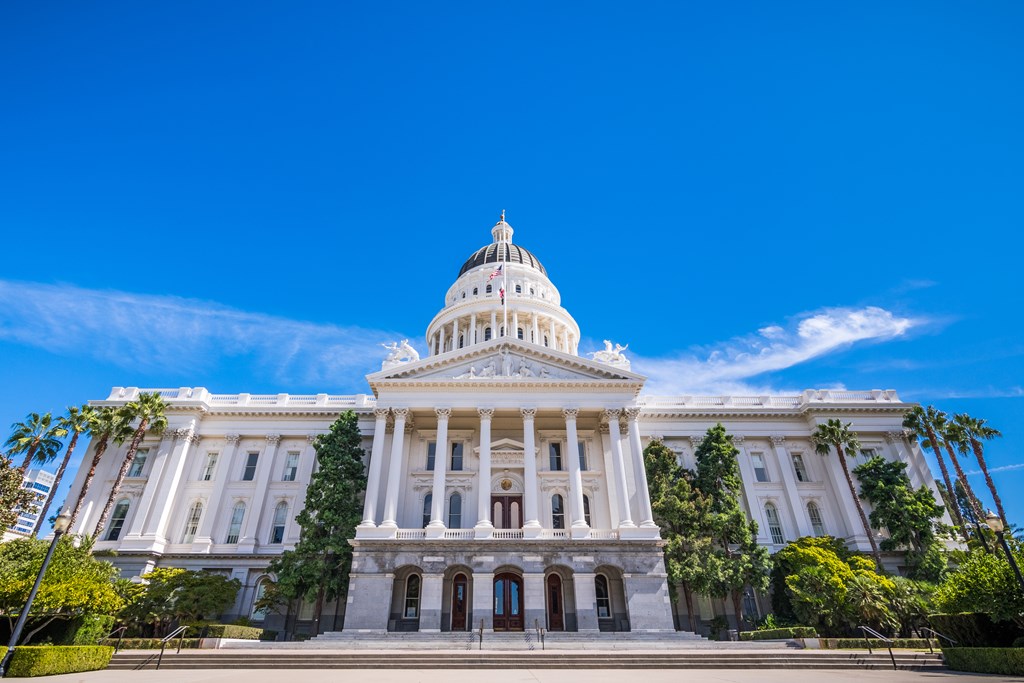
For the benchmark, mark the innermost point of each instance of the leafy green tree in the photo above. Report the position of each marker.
(318, 568)
(922, 422)
(969, 432)
(680, 511)
(735, 559)
(75, 584)
(984, 582)
(75, 422)
(171, 593)
(13, 494)
(911, 516)
(37, 438)
(148, 410)
(910, 604)
(105, 425)
(835, 434)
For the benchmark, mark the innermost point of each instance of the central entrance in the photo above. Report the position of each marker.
(508, 603)
(507, 512)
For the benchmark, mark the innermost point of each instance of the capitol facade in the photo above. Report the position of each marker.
(506, 484)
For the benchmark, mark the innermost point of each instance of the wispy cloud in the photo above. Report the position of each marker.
(729, 367)
(146, 332)
(1001, 468)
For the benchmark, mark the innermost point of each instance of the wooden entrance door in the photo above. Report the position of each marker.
(460, 602)
(556, 618)
(508, 603)
(507, 512)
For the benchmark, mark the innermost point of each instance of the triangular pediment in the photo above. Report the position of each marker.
(503, 361)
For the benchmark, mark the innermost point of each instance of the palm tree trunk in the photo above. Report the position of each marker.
(101, 448)
(979, 455)
(972, 499)
(954, 509)
(121, 474)
(56, 482)
(31, 453)
(860, 509)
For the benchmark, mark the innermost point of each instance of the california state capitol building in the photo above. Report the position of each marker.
(506, 483)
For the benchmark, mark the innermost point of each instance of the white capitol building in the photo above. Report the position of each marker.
(506, 480)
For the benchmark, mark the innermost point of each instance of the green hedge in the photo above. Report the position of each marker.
(49, 660)
(1008, 661)
(975, 630)
(228, 631)
(86, 630)
(780, 633)
(858, 643)
(150, 643)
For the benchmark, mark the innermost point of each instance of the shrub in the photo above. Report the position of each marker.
(49, 660)
(985, 660)
(859, 644)
(87, 629)
(201, 630)
(780, 633)
(150, 643)
(974, 629)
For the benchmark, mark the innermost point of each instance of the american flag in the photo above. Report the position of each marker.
(496, 273)
(502, 295)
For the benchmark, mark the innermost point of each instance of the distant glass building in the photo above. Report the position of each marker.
(41, 482)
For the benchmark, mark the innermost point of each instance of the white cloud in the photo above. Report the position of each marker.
(1002, 468)
(727, 367)
(146, 332)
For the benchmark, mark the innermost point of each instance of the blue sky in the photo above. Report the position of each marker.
(754, 196)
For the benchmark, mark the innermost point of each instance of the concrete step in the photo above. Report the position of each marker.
(221, 659)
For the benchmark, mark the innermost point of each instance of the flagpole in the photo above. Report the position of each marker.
(504, 277)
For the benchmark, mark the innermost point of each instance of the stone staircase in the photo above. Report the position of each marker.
(528, 640)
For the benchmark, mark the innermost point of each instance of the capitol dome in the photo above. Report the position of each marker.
(492, 253)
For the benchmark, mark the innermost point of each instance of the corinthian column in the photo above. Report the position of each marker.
(639, 469)
(380, 427)
(530, 510)
(483, 501)
(440, 463)
(615, 437)
(575, 477)
(395, 469)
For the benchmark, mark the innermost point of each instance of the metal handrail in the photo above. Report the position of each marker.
(540, 632)
(120, 634)
(940, 635)
(876, 634)
(481, 635)
(180, 634)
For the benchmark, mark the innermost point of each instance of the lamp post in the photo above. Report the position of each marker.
(996, 525)
(60, 526)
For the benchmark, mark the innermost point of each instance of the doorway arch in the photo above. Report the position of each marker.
(508, 602)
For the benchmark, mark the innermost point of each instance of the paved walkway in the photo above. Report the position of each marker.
(527, 676)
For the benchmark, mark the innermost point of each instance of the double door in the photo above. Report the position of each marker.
(508, 603)
(507, 512)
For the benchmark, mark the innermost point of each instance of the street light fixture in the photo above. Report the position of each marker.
(996, 525)
(60, 527)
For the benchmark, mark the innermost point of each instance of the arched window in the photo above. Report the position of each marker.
(117, 519)
(487, 334)
(461, 341)
(455, 511)
(235, 527)
(463, 295)
(557, 512)
(604, 599)
(814, 514)
(519, 289)
(546, 340)
(195, 513)
(586, 509)
(412, 597)
(531, 291)
(475, 291)
(428, 502)
(771, 513)
(519, 332)
(280, 519)
(487, 290)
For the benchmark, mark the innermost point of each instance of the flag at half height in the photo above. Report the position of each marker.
(502, 292)
(496, 273)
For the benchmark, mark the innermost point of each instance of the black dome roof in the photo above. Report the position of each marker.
(492, 253)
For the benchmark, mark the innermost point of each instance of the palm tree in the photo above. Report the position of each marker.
(37, 438)
(76, 421)
(148, 409)
(951, 435)
(834, 434)
(973, 430)
(922, 421)
(106, 424)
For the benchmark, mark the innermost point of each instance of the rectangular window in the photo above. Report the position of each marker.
(456, 457)
(555, 456)
(291, 466)
(139, 462)
(868, 453)
(431, 455)
(210, 467)
(799, 468)
(583, 455)
(249, 473)
(760, 471)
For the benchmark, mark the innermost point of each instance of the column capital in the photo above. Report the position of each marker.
(528, 413)
(310, 438)
(738, 439)
(443, 413)
(400, 413)
(695, 441)
(195, 439)
(570, 413)
(273, 439)
(632, 414)
(485, 413)
(611, 414)
(895, 437)
(777, 440)
(381, 413)
(231, 438)
(603, 428)
(184, 433)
